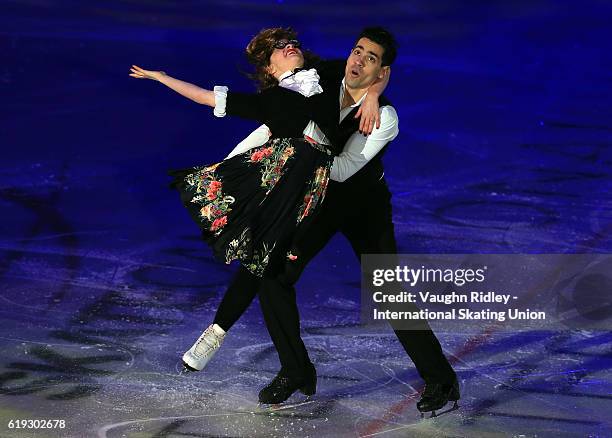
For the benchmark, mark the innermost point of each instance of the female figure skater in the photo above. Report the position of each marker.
(253, 204)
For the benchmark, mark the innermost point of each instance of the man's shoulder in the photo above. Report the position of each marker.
(388, 113)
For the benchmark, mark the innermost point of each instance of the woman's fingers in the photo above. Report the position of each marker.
(368, 127)
(140, 73)
(361, 119)
(136, 74)
(369, 117)
(365, 126)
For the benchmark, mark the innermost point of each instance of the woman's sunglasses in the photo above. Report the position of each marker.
(281, 44)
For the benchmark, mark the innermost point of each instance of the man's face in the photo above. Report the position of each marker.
(364, 64)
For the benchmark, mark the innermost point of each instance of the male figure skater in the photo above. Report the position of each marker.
(357, 204)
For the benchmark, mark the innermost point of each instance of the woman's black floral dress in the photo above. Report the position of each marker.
(251, 206)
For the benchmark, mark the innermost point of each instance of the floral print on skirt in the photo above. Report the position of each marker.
(252, 206)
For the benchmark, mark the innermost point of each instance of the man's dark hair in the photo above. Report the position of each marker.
(385, 39)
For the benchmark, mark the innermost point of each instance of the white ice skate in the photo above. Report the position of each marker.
(204, 348)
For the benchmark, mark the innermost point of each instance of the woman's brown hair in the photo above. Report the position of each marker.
(261, 47)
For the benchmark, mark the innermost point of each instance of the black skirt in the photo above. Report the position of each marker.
(252, 206)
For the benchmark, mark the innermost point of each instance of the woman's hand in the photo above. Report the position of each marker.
(369, 113)
(369, 109)
(140, 73)
(190, 91)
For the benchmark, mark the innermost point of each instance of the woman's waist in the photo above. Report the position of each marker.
(303, 141)
(318, 146)
(314, 133)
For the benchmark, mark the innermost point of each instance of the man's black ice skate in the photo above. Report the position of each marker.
(436, 395)
(282, 387)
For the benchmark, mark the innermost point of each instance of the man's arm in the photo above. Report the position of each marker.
(359, 149)
(256, 138)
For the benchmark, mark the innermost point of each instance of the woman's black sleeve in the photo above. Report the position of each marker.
(245, 105)
(331, 70)
(267, 106)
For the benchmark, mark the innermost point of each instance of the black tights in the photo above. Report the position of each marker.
(237, 298)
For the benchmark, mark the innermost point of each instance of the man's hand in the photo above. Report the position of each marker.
(140, 73)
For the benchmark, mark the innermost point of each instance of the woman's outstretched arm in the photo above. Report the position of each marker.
(190, 91)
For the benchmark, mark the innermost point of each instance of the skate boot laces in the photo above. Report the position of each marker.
(208, 342)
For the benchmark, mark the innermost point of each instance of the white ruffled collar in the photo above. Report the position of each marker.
(305, 82)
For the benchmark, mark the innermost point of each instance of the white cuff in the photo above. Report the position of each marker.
(220, 100)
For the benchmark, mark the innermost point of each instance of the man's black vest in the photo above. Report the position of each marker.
(331, 74)
(373, 170)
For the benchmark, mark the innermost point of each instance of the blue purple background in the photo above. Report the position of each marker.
(504, 147)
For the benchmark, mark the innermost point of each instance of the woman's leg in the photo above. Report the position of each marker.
(237, 298)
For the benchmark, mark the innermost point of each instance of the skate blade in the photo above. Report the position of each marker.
(263, 407)
(446, 411)
(183, 369)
